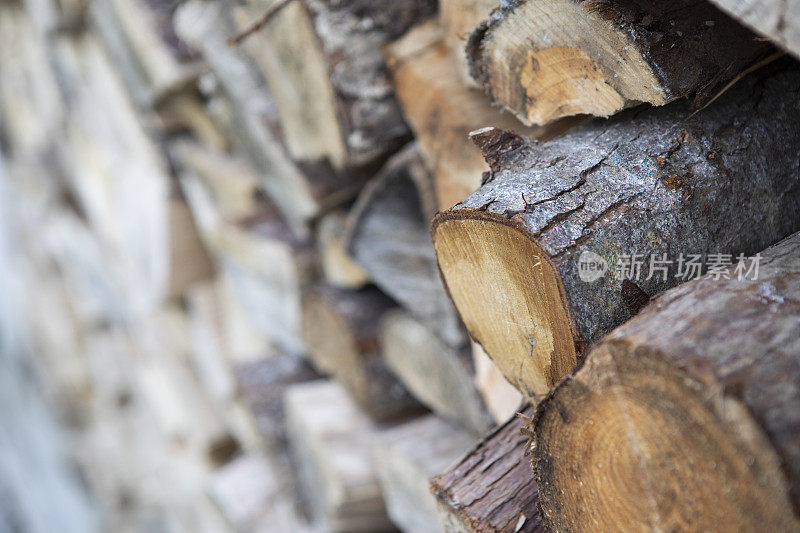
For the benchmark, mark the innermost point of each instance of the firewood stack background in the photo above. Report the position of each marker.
(463, 266)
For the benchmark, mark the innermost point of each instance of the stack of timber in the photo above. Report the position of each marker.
(316, 265)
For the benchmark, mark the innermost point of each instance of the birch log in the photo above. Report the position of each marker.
(545, 59)
(687, 416)
(491, 488)
(389, 237)
(659, 182)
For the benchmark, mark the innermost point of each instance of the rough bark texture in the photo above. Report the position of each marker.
(656, 182)
(491, 489)
(331, 52)
(778, 20)
(442, 111)
(543, 59)
(331, 439)
(340, 330)
(439, 376)
(407, 456)
(697, 396)
(389, 237)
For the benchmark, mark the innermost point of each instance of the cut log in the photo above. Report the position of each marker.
(340, 331)
(544, 59)
(659, 182)
(457, 19)
(491, 488)
(442, 111)
(300, 194)
(338, 267)
(407, 456)
(325, 67)
(695, 398)
(188, 259)
(779, 21)
(501, 398)
(331, 438)
(439, 376)
(389, 236)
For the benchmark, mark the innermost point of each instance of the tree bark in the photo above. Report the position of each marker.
(439, 376)
(442, 111)
(652, 183)
(389, 237)
(491, 489)
(697, 396)
(407, 456)
(779, 21)
(324, 64)
(340, 330)
(543, 60)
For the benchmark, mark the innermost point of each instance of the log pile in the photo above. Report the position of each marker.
(305, 265)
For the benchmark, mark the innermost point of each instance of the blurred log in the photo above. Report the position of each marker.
(389, 236)
(543, 60)
(428, 85)
(457, 19)
(255, 249)
(439, 376)
(340, 330)
(655, 184)
(300, 194)
(189, 261)
(491, 489)
(501, 398)
(330, 437)
(696, 396)
(339, 269)
(778, 21)
(407, 456)
(324, 64)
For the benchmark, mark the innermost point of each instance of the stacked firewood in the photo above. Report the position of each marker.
(374, 265)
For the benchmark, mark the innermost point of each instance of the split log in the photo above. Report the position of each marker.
(324, 64)
(255, 249)
(442, 111)
(686, 417)
(389, 236)
(501, 398)
(330, 436)
(778, 21)
(338, 267)
(457, 19)
(439, 376)
(139, 36)
(491, 489)
(543, 60)
(188, 258)
(659, 182)
(340, 331)
(407, 456)
(299, 193)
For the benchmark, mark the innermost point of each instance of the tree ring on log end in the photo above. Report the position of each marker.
(633, 443)
(509, 296)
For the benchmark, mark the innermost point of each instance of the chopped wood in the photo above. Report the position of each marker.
(331, 439)
(389, 236)
(340, 330)
(651, 183)
(325, 67)
(491, 488)
(543, 59)
(696, 397)
(439, 376)
(189, 260)
(501, 398)
(442, 111)
(339, 269)
(407, 456)
(457, 19)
